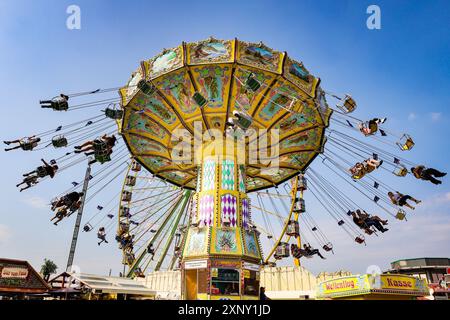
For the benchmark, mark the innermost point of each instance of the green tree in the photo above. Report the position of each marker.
(48, 268)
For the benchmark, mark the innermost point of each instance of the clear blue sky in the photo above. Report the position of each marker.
(401, 71)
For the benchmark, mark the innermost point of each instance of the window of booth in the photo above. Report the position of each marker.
(224, 281)
(251, 283)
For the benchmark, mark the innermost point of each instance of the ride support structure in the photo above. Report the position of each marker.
(221, 256)
(76, 228)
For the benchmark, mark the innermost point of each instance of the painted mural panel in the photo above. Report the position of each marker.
(208, 51)
(214, 82)
(197, 243)
(260, 56)
(168, 60)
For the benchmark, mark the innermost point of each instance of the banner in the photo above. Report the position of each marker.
(14, 273)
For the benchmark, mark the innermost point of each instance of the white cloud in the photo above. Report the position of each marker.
(36, 202)
(436, 116)
(412, 116)
(5, 233)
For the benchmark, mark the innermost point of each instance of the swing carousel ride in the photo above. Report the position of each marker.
(218, 216)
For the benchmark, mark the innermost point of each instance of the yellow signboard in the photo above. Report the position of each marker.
(246, 273)
(340, 285)
(368, 284)
(398, 282)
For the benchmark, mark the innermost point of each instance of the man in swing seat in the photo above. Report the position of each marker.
(374, 221)
(400, 199)
(310, 251)
(428, 174)
(58, 103)
(26, 144)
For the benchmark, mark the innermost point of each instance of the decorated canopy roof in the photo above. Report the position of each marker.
(289, 99)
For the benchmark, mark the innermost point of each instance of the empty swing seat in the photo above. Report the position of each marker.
(115, 114)
(59, 141)
(400, 171)
(126, 196)
(87, 227)
(145, 87)
(124, 212)
(328, 247)
(136, 166)
(348, 105)
(302, 184)
(299, 206)
(252, 84)
(360, 239)
(341, 222)
(130, 181)
(282, 250)
(293, 228)
(406, 143)
(199, 99)
(401, 215)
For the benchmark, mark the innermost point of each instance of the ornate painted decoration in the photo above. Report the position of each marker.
(229, 209)
(287, 98)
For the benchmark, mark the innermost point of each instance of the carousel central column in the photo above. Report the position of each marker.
(221, 254)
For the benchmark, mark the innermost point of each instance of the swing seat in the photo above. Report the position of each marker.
(124, 212)
(314, 229)
(100, 147)
(103, 158)
(401, 215)
(87, 227)
(27, 146)
(126, 196)
(199, 99)
(348, 105)
(293, 228)
(302, 184)
(282, 250)
(130, 181)
(145, 87)
(360, 239)
(328, 247)
(41, 171)
(242, 120)
(406, 143)
(300, 206)
(101, 152)
(341, 222)
(59, 141)
(252, 84)
(400, 171)
(136, 166)
(60, 105)
(115, 114)
(365, 126)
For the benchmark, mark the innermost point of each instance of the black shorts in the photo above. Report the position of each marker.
(402, 200)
